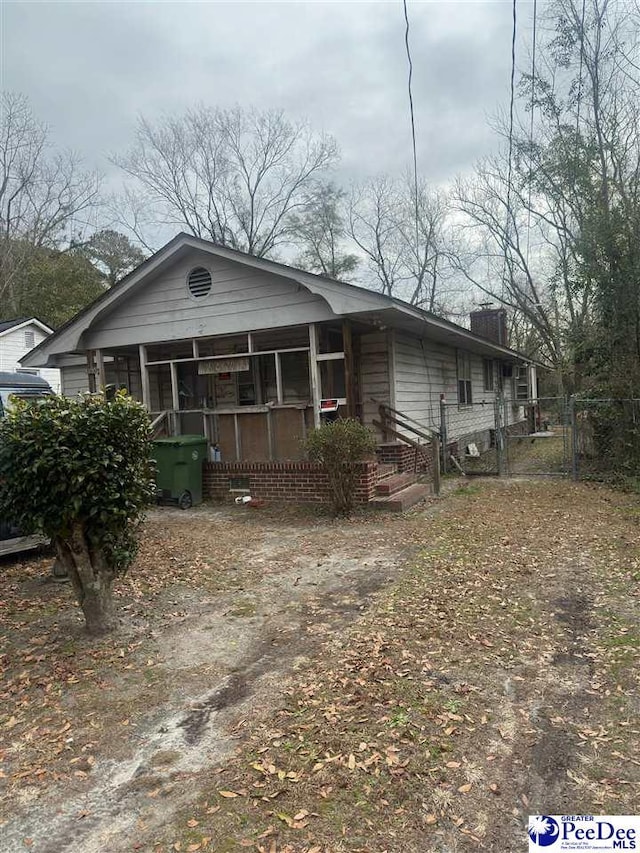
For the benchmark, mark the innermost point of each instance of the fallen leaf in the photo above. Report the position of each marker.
(228, 794)
(464, 789)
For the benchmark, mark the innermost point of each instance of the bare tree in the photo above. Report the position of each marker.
(233, 176)
(556, 235)
(43, 195)
(400, 234)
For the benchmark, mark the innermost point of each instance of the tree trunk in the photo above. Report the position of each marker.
(92, 581)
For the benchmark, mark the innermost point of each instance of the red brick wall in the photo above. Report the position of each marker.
(302, 482)
(403, 456)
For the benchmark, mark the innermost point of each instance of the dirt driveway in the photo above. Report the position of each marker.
(284, 682)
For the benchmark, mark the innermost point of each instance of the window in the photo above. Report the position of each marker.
(487, 371)
(199, 282)
(30, 371)
(521, 382)
(465, 397)
(29, 338)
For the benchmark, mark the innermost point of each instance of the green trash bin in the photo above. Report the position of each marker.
(179, 469)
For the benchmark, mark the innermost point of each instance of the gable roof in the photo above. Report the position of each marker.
(14, 325)
(344, 300)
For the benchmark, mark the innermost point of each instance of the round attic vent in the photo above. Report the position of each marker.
(199, 282)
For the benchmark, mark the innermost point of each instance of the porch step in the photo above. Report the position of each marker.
(404, 499)
(394, 483)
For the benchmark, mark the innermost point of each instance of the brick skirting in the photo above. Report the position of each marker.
(403, 456)
(300, 482)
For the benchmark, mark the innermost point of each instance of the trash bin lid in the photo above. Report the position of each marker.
(181, 440)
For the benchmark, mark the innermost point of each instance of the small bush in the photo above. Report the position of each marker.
(79, 472)
(337, 446)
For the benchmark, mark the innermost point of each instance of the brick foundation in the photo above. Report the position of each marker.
(300, 482)
(403, 456)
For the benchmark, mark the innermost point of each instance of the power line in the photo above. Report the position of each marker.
(511, 114)
(413, 127)
(532, 107)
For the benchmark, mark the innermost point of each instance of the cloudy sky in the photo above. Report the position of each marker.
(90, 68)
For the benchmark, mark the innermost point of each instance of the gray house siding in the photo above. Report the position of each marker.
(375, 382)
(74, 380)
(242, 299)
(424, 370)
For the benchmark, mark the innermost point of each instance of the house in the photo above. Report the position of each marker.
(17, 338)
(254, 353)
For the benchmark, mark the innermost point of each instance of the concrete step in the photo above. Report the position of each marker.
(404, 499)
(386, 469)
(394, 483)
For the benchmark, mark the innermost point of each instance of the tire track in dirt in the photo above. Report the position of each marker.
(296, 609)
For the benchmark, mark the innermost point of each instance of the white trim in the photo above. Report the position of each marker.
(32, 321)
(342, 298)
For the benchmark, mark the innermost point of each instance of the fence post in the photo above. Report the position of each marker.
(573, 427)
(497, 420)
(443, 433)
(436, 464)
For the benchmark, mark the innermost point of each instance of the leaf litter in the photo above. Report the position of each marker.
(499, 669)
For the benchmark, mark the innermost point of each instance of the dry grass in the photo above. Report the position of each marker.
(496, 677)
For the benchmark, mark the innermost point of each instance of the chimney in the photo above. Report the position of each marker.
(490, 323)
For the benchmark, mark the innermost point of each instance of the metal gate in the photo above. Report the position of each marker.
(540, 439)
(509, 437)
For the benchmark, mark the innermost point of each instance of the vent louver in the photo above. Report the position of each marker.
(199, 282)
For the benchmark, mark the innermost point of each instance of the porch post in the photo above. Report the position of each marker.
(91, 371)
(313, 373)
(349, 375)
(100, 374)
(144, 377)
(175, 399)
(279, 394)
(175, 396)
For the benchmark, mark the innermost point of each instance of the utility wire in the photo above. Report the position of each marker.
(511, 115)
(413, 128)
(532, 107)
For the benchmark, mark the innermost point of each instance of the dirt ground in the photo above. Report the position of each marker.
(284, 682)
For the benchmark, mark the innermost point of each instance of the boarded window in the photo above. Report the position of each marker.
(465, 396)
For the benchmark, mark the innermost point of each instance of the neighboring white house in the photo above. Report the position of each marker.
(17, 338)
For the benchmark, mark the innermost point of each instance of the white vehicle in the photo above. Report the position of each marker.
(26, 387)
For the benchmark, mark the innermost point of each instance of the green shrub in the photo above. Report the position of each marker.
(79, 472)
(337, 446)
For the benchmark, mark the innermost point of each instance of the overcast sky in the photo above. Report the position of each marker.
(90, 68)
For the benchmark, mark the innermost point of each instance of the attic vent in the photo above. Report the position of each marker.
(199, 282)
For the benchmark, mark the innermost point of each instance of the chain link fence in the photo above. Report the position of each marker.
(607, 439)
(470, 437)
(561, 436)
